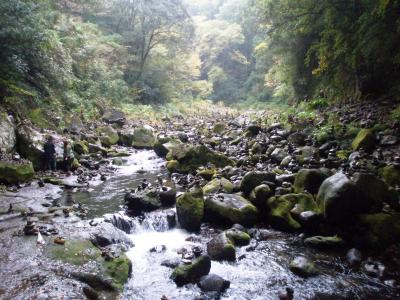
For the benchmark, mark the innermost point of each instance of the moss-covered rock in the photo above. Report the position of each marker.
(365, 139)
(81, 147)
(391, 175)
(141, 201)
(190, 158)
(191, 273)
(216, 185)
(303, 267)
(108, 136)
(324, 242)
(190, 209)
(238, 238)
(309, 180)
(119, 269)
(260, 194)
(306, 153)
(280, 207)
(255, 178)
(230, 209)
(16, 172)
(376, 231)
(221, 248)
(173, 166)
(206, 173)
(219, 128)
(143, 137)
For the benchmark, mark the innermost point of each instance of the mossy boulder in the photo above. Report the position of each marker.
(255, 178)
(391, 175)
(306, 154)
(238, 237)
(219, 128)
(365, 139)
(260, 194)
(376, 231)
(303, 267)
(108, 136)
(16, 172)
(126, 137)
(119, 269)
(164, 145)
(173, 166)
(309, 180)
(143, 137)
(141, 201)
(230, 209)
(206, 173)
(218, 185)
(190, 158)
(191, 273)
(280, 206)
(221, 248)
(324, 242)
(81, 147)
(190, 209)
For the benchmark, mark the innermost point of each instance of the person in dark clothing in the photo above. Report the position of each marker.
(49, 154)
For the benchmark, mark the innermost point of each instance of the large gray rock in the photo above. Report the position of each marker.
(230, 209)
(141, 201)
(144, 137)
(213, 283)
(255, 178)
(8, 137)
(114, 116)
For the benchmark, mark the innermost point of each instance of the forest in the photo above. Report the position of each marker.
(200, 149)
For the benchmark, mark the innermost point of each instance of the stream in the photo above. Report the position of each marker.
(259, 273)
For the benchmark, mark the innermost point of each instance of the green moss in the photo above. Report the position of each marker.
(81, 147)
(119, 270)
(143, 138)
(218, 185)
(108, 136)
(343, 154)
(173, 166)
(391, 175)
(238, 238)
(76, 252)
(207, 173)
(324, 242)
(365, 139)
(39, 119)
(191, 273)
(13, 173)
(190, 210)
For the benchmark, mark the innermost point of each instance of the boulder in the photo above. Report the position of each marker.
(376, 231)
(81, 147)
(280, 209)
(213, 283)
(303, 267)
(107, 234)
(108, 136)
(255, 178)
(260, 194)
(306, 154)
(297, 138)
(141, 201)
(341, 200)
(13, 172)
(191, 273)
(238, 237)
(172, 166)
(278, 155)
(221, 248)
(309, 180)
(324, 242)
(230, 209)
(143, 137)
(365, 139)
(219, 128)
(121, 221)
(216, 185)
(114, 116)
(190, 158)
(126, 137)
(8, 137)
(190, 209)
(165, 145)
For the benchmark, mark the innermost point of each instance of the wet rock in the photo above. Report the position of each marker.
(142, 200)
(59, 240)
(303, 267)
(260, 194)
(190, 209)
(106, 235)
(306, 153)
(230, 209)
(171, 263)
(297, 138)
(158, 249)
(113, 116)
(219, 128)
(309, 180)
(340, 199)
(30, 228)
(191, 273)
(374, 269)
(213, 283)
(221, 248)
(238, 237)
(278, 155)
(280, 210)
(14, 172)
(324, 242)
(171, 219)
(120, 221)
(218, 185)
(167, 196)
(255, 178)
(365, 139)
(354, 257)
(143, 137)
(8, 136)
(310, 221)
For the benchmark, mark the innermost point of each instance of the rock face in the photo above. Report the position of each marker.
(365, 139)
(8, 137)
(113, 116)
(255, 178)
(190, 210)
(230, 209)
(190, 158)
(16, 172)
(30, 145)
(280, 209)
(213, 283)
(309, 180)
(221, 248)
(218, 185)
(340, 199)
(143, 137)
(184, 274)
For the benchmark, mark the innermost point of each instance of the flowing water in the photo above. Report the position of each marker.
(260, 273)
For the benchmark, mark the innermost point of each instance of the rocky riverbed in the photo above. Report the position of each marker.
(219, 208)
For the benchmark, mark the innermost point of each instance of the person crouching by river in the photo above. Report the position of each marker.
(49, 155)
(68, 157)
